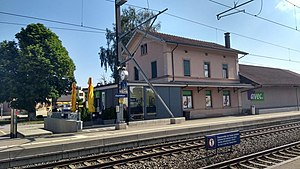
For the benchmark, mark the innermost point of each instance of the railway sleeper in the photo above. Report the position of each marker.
(247, 166)
(257, 164)
(274, 159)
(72, 166)
(280, 156)
(267, 162)
(100, 161)
(87, 163)
(293, 152)
(288, 155)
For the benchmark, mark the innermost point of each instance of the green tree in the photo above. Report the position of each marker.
(130, 19)
(8, 68)
(42, 69)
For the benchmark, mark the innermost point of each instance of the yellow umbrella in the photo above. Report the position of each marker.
(91, 96)
(73, 98)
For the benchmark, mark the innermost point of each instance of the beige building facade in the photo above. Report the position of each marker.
(207, 72)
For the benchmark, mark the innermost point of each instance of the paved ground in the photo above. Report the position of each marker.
(291, 164)
(105, 132)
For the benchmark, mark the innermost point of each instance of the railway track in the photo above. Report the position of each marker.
(108, 160)
(263, 159)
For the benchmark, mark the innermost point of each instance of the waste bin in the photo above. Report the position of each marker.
(253, 111)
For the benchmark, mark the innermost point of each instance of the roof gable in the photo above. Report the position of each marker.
(266, 76)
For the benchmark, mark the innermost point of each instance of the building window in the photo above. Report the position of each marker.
(144, 49)
(206, 69)
(186, 68)
(225, 70)
(136, 74)
(154, 69)
(187, 99)
(208, 99)
(226, 98)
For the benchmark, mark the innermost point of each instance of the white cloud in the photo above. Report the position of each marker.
(284, 5)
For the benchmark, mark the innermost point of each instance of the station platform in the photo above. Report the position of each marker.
(102, 139)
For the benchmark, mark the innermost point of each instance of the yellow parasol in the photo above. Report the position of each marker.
(91, 106)
(73, 98)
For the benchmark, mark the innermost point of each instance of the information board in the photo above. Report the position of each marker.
(222, 140)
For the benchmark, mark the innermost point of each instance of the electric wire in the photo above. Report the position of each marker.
(172, 15)
(292, 3)
(261, 7)
(273, 58)
(78, 30)
(262, 18)
(48, 20)
(214, 28)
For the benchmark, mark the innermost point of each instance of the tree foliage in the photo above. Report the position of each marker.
(130, 19)
(36, 68)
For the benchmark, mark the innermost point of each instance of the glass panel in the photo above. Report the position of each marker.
(154, 69)
(208, 100)
(206, 69)
(226, 98)
(225, 71)
(136, 103)
(136, 74)
(150, 102)
(187, 99)
(186, 67)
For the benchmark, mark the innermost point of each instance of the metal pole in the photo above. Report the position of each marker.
(131, 57)
(118, 31)
(1, 109)
(297, 98)
(12, 123)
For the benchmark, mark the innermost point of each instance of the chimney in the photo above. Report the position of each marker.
(227, 40)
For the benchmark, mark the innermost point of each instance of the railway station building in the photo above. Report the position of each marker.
(275, 90)
(195, 78)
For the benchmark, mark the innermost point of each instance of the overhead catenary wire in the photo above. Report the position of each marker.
(49, 20)
(166, 13)
(213, 27)
(262, 18)
(69, 29)
(274, 58)
(172, 15)
(261, 7)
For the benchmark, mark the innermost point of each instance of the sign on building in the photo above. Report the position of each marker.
(255, 96)
(219, 140)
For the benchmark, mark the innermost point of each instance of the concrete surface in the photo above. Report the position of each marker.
(62, 125)
(97, 140)
(290, 164)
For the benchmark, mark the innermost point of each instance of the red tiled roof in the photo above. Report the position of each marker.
(192, 42)
(270, 76)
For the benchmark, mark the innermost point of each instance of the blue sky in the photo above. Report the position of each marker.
(83, 47)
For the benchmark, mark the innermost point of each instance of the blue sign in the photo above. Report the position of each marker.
(123, 85)
(120, 95)
(222, 140)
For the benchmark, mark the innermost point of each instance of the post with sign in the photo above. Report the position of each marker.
(215, 141)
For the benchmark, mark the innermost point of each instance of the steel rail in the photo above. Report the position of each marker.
(262, 131)
(253, 156)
